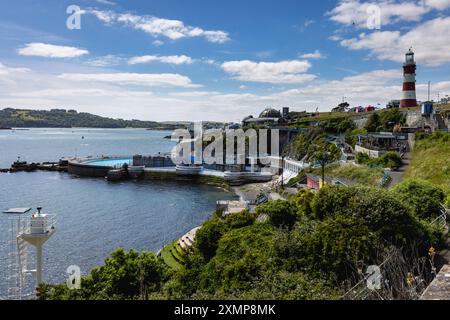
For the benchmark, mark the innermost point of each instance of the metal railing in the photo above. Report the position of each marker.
(441, 221)
(32, 225)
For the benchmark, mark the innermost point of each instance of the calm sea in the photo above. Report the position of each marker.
(94, 216)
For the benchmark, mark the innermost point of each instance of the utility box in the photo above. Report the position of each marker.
(427, 108)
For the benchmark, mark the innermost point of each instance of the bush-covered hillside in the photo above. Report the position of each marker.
(60, 118)
(312, 246)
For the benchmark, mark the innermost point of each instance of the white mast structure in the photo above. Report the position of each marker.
(34, 230)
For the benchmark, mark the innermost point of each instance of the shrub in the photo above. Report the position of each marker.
(382, 212)
(337, 245)
(362, 158)
(302, 202)
(208, 236)
(239, 220)
(390, 160)
(424, 198)
(122, 276)
(242, 256)
(281, 213)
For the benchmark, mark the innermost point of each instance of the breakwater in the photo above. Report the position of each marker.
(23, 166)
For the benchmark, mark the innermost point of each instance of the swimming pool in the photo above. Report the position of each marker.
(110, 162)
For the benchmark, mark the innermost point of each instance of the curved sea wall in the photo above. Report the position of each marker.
(171, 175)
(86, 170)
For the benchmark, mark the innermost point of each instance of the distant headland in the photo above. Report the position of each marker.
(62, 118)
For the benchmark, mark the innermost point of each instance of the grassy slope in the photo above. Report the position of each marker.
(431, 162)
(168, 256)
(362, 175)
(359, 174)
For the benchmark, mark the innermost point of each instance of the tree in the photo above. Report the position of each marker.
(373, 123)
(325, 153)
(342, 107)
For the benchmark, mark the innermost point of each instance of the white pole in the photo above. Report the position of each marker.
(38, 265)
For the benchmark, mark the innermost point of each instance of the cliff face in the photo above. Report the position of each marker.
(415, 119)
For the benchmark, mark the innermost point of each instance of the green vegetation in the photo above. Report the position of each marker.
(413, 191)
(385, 121)
(338, 125)
(362, 175)
(311, 247)
(281, 213)
(61, 118)
(391, 160)
(172, 256)
(125, 275)
(351, 137)
(358, 174)
(303, 144)
(431, 159)
(313, 145)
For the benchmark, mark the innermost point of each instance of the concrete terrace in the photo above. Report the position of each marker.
(172, 170)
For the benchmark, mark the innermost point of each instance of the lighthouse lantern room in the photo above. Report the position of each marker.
(409, 81)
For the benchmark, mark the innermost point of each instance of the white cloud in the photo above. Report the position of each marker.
(143, 79)
(379, 86)
(107, 17)
(172, 29)
(313, 55)
(429, 41)
(115, 95)
(158, 43)
(355, 12)
(292, 71)
(438, 4)
(51, 51)
(177, 60)
(105, 61)
(5, 71)
(75, 92)
(194, 93)
(107, 2)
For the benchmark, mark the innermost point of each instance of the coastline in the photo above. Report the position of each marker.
(250, 192)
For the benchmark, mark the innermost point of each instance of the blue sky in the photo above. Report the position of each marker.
(217, 60)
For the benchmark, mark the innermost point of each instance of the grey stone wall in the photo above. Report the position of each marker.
(153, 161)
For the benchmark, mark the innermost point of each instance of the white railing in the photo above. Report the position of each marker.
(30, 225)
(294, 166)
(441, 221)
(289, 164)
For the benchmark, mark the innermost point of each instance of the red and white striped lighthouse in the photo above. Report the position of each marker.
(409, 82)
